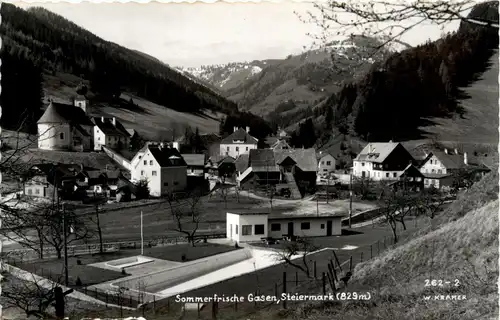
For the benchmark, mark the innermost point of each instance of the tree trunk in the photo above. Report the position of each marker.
(40, 243)
(394, 231)
(59, 252)
(403, 223)
(101, 247)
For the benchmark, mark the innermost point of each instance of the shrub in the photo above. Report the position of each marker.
(183, 257)
(78, 281)
(79, 262)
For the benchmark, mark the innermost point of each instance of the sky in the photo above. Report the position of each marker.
(194, 34)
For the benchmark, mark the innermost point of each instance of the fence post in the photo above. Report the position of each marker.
(315, 274)
(95, 292)
(284, 288)
(371, 251)
(236, 305)
(255, 300)
(130, 300)
(215, 309)
(154, 304)
(296, 278)
(350, 264)
(198, 310)
(337, 259)
(378, 247)
(275, 289)
(324, 283)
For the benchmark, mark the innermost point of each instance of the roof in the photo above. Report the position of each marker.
(221, 158)
(249, 213)
(241, 163)
(194, 159)
(280, 144)
(322, 154)
(412, 171)
(436, 175)
(131, 132)
(308, 217)
(305, 158)
(239, 135)
(108, 128)
(262, 160)
(456, 161)
(81, 130)
(64, 113)
(167, 157)
(377, 151)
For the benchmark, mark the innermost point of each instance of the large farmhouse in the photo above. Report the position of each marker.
(382, 161)
(252, 227)
(239, 142)
(162, 167)
(65, 127)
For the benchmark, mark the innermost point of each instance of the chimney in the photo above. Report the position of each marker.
(466, 161)
(235, 129)
(161, 144)
(102, 119)
(114, 121)
(456, 150)
(248, 129)
(445, 150)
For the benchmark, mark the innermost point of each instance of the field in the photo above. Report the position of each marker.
(149, 119)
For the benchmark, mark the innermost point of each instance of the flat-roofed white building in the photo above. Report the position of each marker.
(253, 226)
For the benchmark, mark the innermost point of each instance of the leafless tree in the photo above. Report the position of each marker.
(193, 199)
(363, 186)
(429, 202)
(301, 247)
(181, 212)
(388, 20)
(32, 295)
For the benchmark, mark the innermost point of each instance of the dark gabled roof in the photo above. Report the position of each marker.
(64, 113)
(322, 154)
(305, 159)
(167, 157)
(239, 135)
(81, 130)
(108, 128)
(456, 161)
(218, 159)
(436, 175)
(412, 171)
(193, 159)
(241, 163)
(262, 160)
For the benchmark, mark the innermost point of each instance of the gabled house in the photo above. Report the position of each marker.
(65, 127)
(441, 168)
(241, 163)
(280, 145)
(195, 164)
(326, 163)
(110, 132)
(410, 179)
(382, 161)
(261, 171)
(238, 142)
(298, 167)
(221, 166)
(162, 167)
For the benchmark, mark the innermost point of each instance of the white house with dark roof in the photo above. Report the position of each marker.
(440, 167)
(163, 167)
(254, 226)
(326, 163)
(111, 133)
(65, 127)
(382, 161)
(238, 142)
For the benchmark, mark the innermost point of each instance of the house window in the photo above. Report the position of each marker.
(394, 174)
(431, 161)
(387, 175)
(322, 162)
(322, 226)
(165, 184)
(259, 229)
(362, 164)
(145, 162)
(142, 172)
(37, 191)
(328, 163)
(440, 171)
(29, 191)
(227, 149)
(237, 149)
(433, 170)
(61, 135)
(150, 162)
(153, 173)
(418, 179)
(246, 148)
(246, 230)
(276, 227)
(305, 226)
(176, 183)
(236, 229)
(325, 170)
(98, 138)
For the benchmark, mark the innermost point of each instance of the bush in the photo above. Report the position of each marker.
(183, 257)
(79, 262)
(123, 272)
(78, 282)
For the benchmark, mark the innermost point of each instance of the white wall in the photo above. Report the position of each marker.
(323, 166)
(243, 220)
(375, 175)
(144, 170)
(49, 136)
(433, 165)
(242, 149)
(99, 138)
(315, 229)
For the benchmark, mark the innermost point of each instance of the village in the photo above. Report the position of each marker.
(229, 195)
